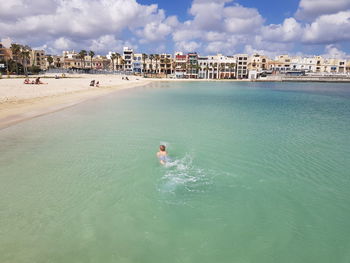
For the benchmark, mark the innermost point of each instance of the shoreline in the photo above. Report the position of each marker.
(20, 103)
(16, 111)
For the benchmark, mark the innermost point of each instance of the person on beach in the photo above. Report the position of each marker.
(97, 84)
(27, 81)
(38, 81)
(92, 83)
(163, 155)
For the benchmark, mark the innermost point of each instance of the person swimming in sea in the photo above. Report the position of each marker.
(163, 155)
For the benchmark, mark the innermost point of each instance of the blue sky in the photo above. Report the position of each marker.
(271, 27)
(274, 11)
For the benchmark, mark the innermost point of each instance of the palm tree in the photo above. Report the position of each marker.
(231, 67)
(25, 56)
(144, 57)
(166, 61)
(58, 61)
(207, 71)
(91, 54)
(113, 57)
(16, 49)
(156, 58)
(50, 60)
(151, 57)
(82, 55)
(122, 62)
(118, 56)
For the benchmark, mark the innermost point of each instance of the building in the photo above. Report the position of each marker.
(258, 62)
(217, 67)
(128, 57)
(281, 64)
(242, 66)
(165, 65)
(191, 66)
(137, 64)
(5, 53)
(180, 65)
(72, 60)
(38, 59)
(203, 70)
(348, 66)
(226, 67)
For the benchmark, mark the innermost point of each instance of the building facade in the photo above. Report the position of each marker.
(242, 66)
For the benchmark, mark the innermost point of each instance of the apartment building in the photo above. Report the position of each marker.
(72, 60)
(165, 65)
(38, 59)
(180, 65)
(217, 67)
(137, 64)
(192, 66)
(5, 53)
(258, 63)
(281, 64)
(203, 70)
(226, 67)
(128, 55)
(242, 66)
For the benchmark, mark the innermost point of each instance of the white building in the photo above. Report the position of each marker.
(242, 66)
(128, 57)
(217, 67)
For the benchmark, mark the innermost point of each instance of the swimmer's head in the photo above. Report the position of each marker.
(162, 148)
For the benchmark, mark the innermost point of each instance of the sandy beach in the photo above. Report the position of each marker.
(19, 101)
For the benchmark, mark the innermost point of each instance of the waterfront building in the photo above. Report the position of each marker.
(242, 66)
(72, 60)
(341, 66)
(180, 64)
(5, 53)
(192, 66)
(127, 63)
(38, 59)
(335, 66)
(258, 62)
(347, 66)
(203, 70)
(226, 67)
(57, 61)
(281, 64)
(217, 67)
(137, 64)
(165, 65)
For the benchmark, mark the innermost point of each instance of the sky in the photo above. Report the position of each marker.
(270, 27)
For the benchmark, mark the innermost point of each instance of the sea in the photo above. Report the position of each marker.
(259, 173)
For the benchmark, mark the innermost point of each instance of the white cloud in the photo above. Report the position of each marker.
(242, 20)
(79, 21)
(219, 26)
(289, 31)
(328, 29)
(158, 30)
(227, 46)
(188, 46)
(333, 52)
(311, 9)
(63, 43)
(109, 42)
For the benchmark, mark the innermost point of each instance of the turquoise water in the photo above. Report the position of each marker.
(260, 174)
